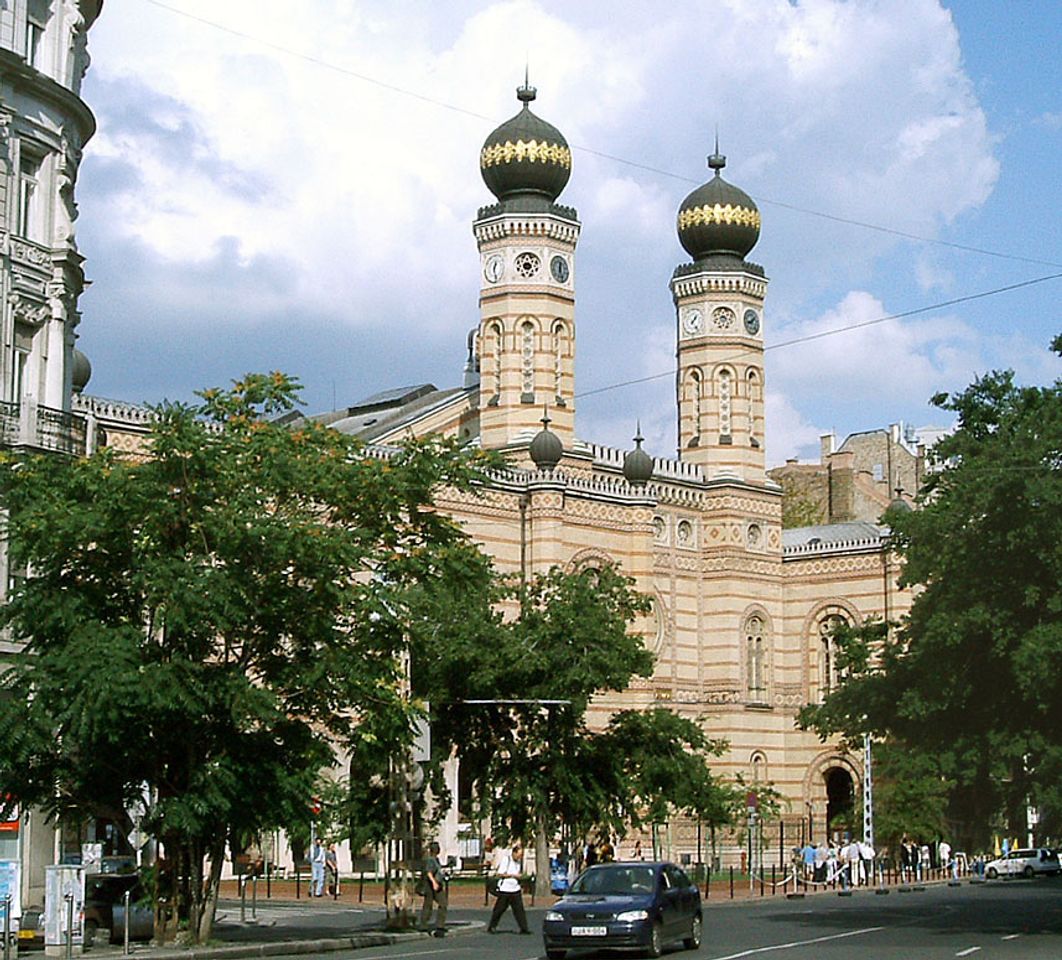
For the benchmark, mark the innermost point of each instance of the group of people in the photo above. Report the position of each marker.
(849, 863)
(854, 862)
(506, 866)
(324, 861)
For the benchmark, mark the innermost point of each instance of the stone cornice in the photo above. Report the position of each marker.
(48, 90)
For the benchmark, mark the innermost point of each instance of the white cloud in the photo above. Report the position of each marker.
(365, 195)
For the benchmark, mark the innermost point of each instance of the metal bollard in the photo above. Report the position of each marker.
(69, 898)
(254, 897)
(243, 899)
(731, 882)
(125, 926)
(7, 927)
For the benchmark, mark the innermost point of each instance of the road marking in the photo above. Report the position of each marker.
(967, 951)
(799, 943)
(419, 953)
(1011, 936)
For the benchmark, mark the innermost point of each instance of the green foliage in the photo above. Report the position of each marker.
(972, 678)
(203, 627)
(662, 761)
(911, 796)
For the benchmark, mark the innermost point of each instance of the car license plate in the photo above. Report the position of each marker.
(589, 931)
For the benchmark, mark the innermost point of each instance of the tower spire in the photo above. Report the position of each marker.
(716, 161)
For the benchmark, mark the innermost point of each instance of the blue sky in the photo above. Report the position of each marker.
(292, 186)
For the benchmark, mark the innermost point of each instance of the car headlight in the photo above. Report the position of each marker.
(629, 916)
(554, 915)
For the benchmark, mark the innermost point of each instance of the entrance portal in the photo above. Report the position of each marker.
(840, 802)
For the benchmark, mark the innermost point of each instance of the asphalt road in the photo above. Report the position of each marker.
(1012, 920)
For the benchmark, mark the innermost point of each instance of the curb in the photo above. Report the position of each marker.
(356, 941)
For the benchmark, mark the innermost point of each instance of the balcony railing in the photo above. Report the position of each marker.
(42, 428)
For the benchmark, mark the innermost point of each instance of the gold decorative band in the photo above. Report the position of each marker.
(742, 216)
(532, 151)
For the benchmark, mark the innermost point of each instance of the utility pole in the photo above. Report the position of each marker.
(868, 792)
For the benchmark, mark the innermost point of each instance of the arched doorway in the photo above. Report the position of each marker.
(840, 801)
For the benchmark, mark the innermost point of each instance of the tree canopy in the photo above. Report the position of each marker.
(973, 677)
(204, 625)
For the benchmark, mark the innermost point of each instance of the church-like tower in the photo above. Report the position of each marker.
(526, 337)
(719, 316)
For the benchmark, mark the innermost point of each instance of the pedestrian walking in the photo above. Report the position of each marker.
(509, 867)
(332, 870)
(317, 869)
(853, 857)
(434, 886)
(866, 861)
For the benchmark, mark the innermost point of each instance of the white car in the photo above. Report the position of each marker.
(1024, 863)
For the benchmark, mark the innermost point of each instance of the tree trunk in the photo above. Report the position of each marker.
(541, 858)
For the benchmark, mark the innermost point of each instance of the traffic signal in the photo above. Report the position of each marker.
(315, 806)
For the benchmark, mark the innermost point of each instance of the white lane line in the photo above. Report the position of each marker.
(967, 951)
(799, 943)
(1011, 936)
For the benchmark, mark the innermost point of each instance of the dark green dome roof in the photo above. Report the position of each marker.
(637, 464)
(526, 155)
(718, 218)
(546, 448)
(81, 371)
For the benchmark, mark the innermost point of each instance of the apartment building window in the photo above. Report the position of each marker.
(29, 215)
(36, 21)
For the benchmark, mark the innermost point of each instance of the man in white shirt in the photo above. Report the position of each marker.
(508, 865)
(317, 869)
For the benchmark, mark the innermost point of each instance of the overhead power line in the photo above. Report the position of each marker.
(807, 338)
(590, 151)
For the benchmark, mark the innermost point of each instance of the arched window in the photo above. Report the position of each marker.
(694, 394)
(527, 358)
(759, 768)
(756, 658)
(558, 348)
(752, 392)
(829, 673)
(726, 393)
(494, 347)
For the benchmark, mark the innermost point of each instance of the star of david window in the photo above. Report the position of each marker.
(526, 265)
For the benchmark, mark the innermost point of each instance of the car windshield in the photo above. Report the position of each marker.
(619, 879)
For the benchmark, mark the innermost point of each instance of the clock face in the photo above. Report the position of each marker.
(494, 267)
(752, 322)
(693, 321)
(558, 266)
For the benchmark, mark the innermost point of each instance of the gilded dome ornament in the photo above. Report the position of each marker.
(718, 219)
(526, 156)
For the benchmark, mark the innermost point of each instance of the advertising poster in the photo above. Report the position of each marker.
(10, 884)
(61, 882)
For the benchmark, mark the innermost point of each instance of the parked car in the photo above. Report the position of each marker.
(625, 906)
(1024, 863)
(105, 907)
(31, 929)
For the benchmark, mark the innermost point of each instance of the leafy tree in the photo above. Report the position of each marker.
(566, 639)
(973, 677)
(660, 764)
(910, 796)
(207, 625)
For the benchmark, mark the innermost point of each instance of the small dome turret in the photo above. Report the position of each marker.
(81, 371)
(526, 156)
(546, 449)
(637, 464)
(718, 219)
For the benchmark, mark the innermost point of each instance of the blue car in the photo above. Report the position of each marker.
(625, 906)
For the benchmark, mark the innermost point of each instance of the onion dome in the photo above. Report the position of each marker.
(546, 449)
(81, 371)
(898, 504)
(637, 464)
(718, 219)
(526, 156)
